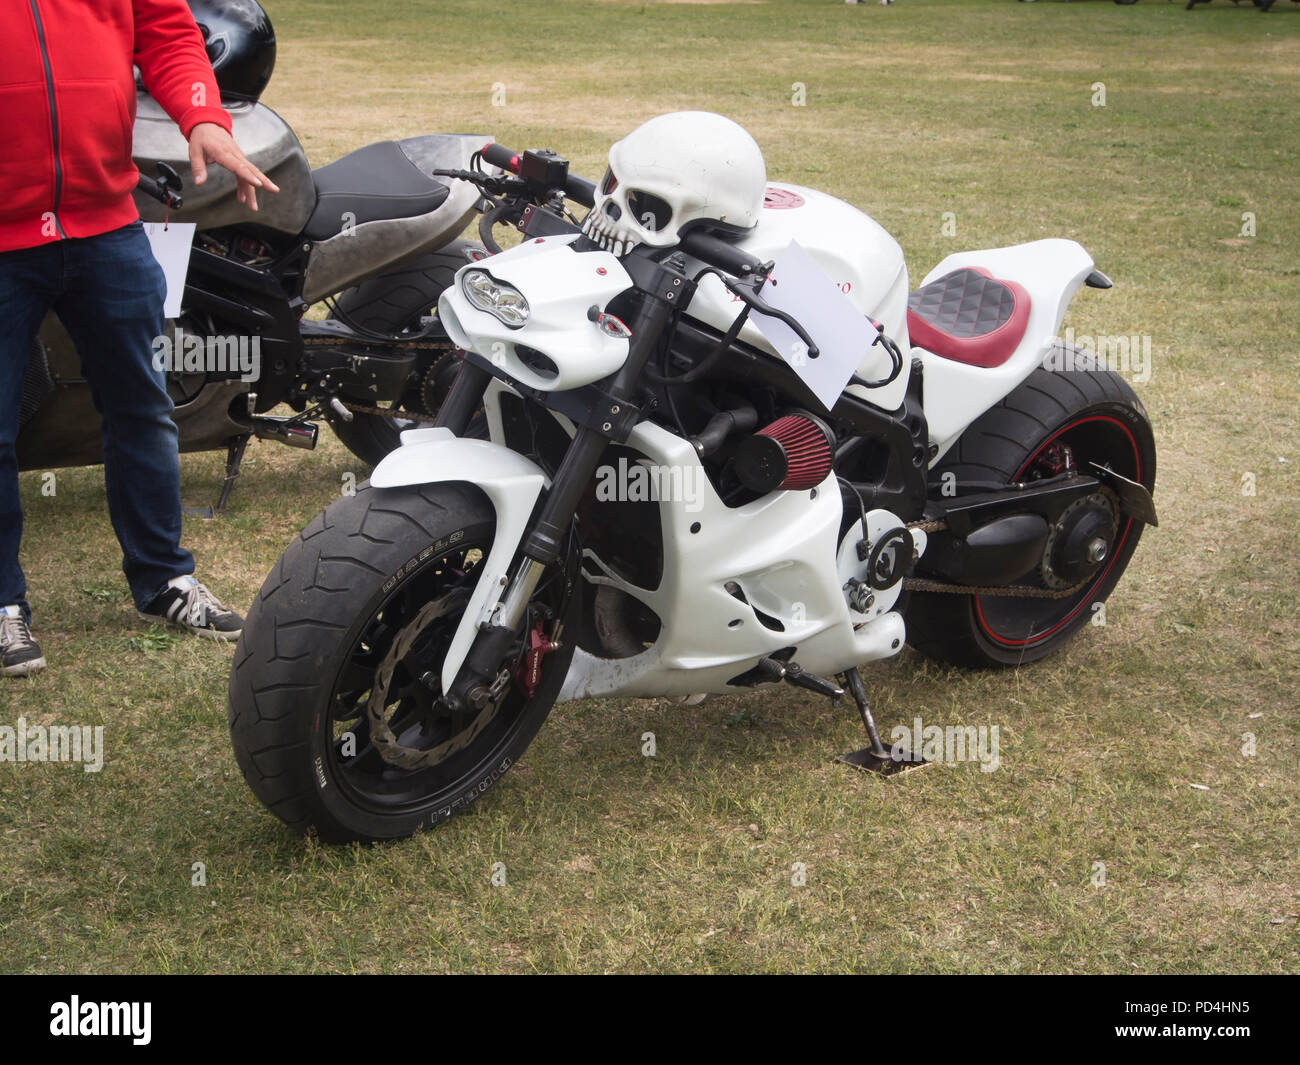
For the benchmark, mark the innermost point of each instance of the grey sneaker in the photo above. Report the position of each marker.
(187, 604)
(19, 653)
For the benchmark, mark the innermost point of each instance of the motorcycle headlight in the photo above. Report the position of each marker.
(504, 302)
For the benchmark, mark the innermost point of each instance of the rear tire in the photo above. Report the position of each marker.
(315, 642)
(390, 304)
(398, 298)
(1098, 415)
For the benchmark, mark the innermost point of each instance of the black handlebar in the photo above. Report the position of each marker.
(581, 190)
(539, 166)
(717, 252)
(165, 188)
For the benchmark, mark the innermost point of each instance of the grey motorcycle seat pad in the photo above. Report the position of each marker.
(373, 183)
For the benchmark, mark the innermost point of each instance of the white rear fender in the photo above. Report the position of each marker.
(1051, 271)
(512, 484)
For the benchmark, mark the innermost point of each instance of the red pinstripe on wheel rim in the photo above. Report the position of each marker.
(1115, 552)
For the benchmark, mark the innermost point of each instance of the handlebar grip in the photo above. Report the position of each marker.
(717, 252)
(576, 188)
(501, 156)
(160, 192)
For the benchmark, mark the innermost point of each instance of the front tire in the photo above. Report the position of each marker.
(1099, 418)
(321, 637)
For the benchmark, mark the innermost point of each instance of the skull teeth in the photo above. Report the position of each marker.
(607, 234)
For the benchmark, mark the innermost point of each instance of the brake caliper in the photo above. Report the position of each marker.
(1056, 460)
(528, 674)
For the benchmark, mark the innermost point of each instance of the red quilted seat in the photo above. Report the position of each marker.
(969, 316)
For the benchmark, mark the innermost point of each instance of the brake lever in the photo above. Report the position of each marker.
(493, 184)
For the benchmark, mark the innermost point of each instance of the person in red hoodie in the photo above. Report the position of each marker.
(71, 242)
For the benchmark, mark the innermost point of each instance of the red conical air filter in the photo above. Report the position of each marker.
(791, 454)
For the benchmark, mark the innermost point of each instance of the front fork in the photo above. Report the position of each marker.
(544, 541)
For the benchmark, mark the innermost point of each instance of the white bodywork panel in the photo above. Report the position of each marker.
(1051, 272)
(781, 550)
(559, 285)
(855, 251)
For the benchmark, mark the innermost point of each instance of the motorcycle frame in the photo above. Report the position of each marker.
(709, 637)
(745, 603)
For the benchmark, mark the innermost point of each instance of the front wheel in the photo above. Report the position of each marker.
(1054, 421)
(335, 707)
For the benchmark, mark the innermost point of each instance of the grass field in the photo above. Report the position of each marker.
(1127, 750)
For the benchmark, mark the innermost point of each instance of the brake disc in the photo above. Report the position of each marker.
(381, 733)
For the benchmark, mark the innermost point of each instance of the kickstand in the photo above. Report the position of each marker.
(234, 459)
(877, 758)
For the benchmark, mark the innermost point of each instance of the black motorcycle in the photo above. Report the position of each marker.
(372, 236)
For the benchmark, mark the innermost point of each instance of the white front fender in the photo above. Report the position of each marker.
(510, 481)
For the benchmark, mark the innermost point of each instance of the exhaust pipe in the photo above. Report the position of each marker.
(285, 431)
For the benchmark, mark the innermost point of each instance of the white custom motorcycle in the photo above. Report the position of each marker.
(728, 447)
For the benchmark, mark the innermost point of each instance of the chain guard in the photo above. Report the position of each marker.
(1009, 591)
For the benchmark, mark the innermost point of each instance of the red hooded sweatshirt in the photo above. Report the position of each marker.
(67, 108)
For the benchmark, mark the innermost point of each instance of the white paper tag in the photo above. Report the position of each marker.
(841, 332)
(171, 247)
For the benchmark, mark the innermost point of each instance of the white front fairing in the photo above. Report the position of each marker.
(855, 252)
(1051, 271)
(560, 285)
(781, 552)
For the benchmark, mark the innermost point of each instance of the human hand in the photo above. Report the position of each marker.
(211, 143)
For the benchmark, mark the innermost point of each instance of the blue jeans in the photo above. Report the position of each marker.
(108, 293)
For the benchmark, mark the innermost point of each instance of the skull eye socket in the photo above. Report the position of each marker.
(608, 183)
(652, 212)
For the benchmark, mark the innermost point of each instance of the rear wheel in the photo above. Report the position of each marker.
(335, 707)
(391, 304)
(1053, 421)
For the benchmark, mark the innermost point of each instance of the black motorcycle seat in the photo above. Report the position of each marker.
(373, 183)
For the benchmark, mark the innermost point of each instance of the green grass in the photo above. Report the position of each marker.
(684, 861)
